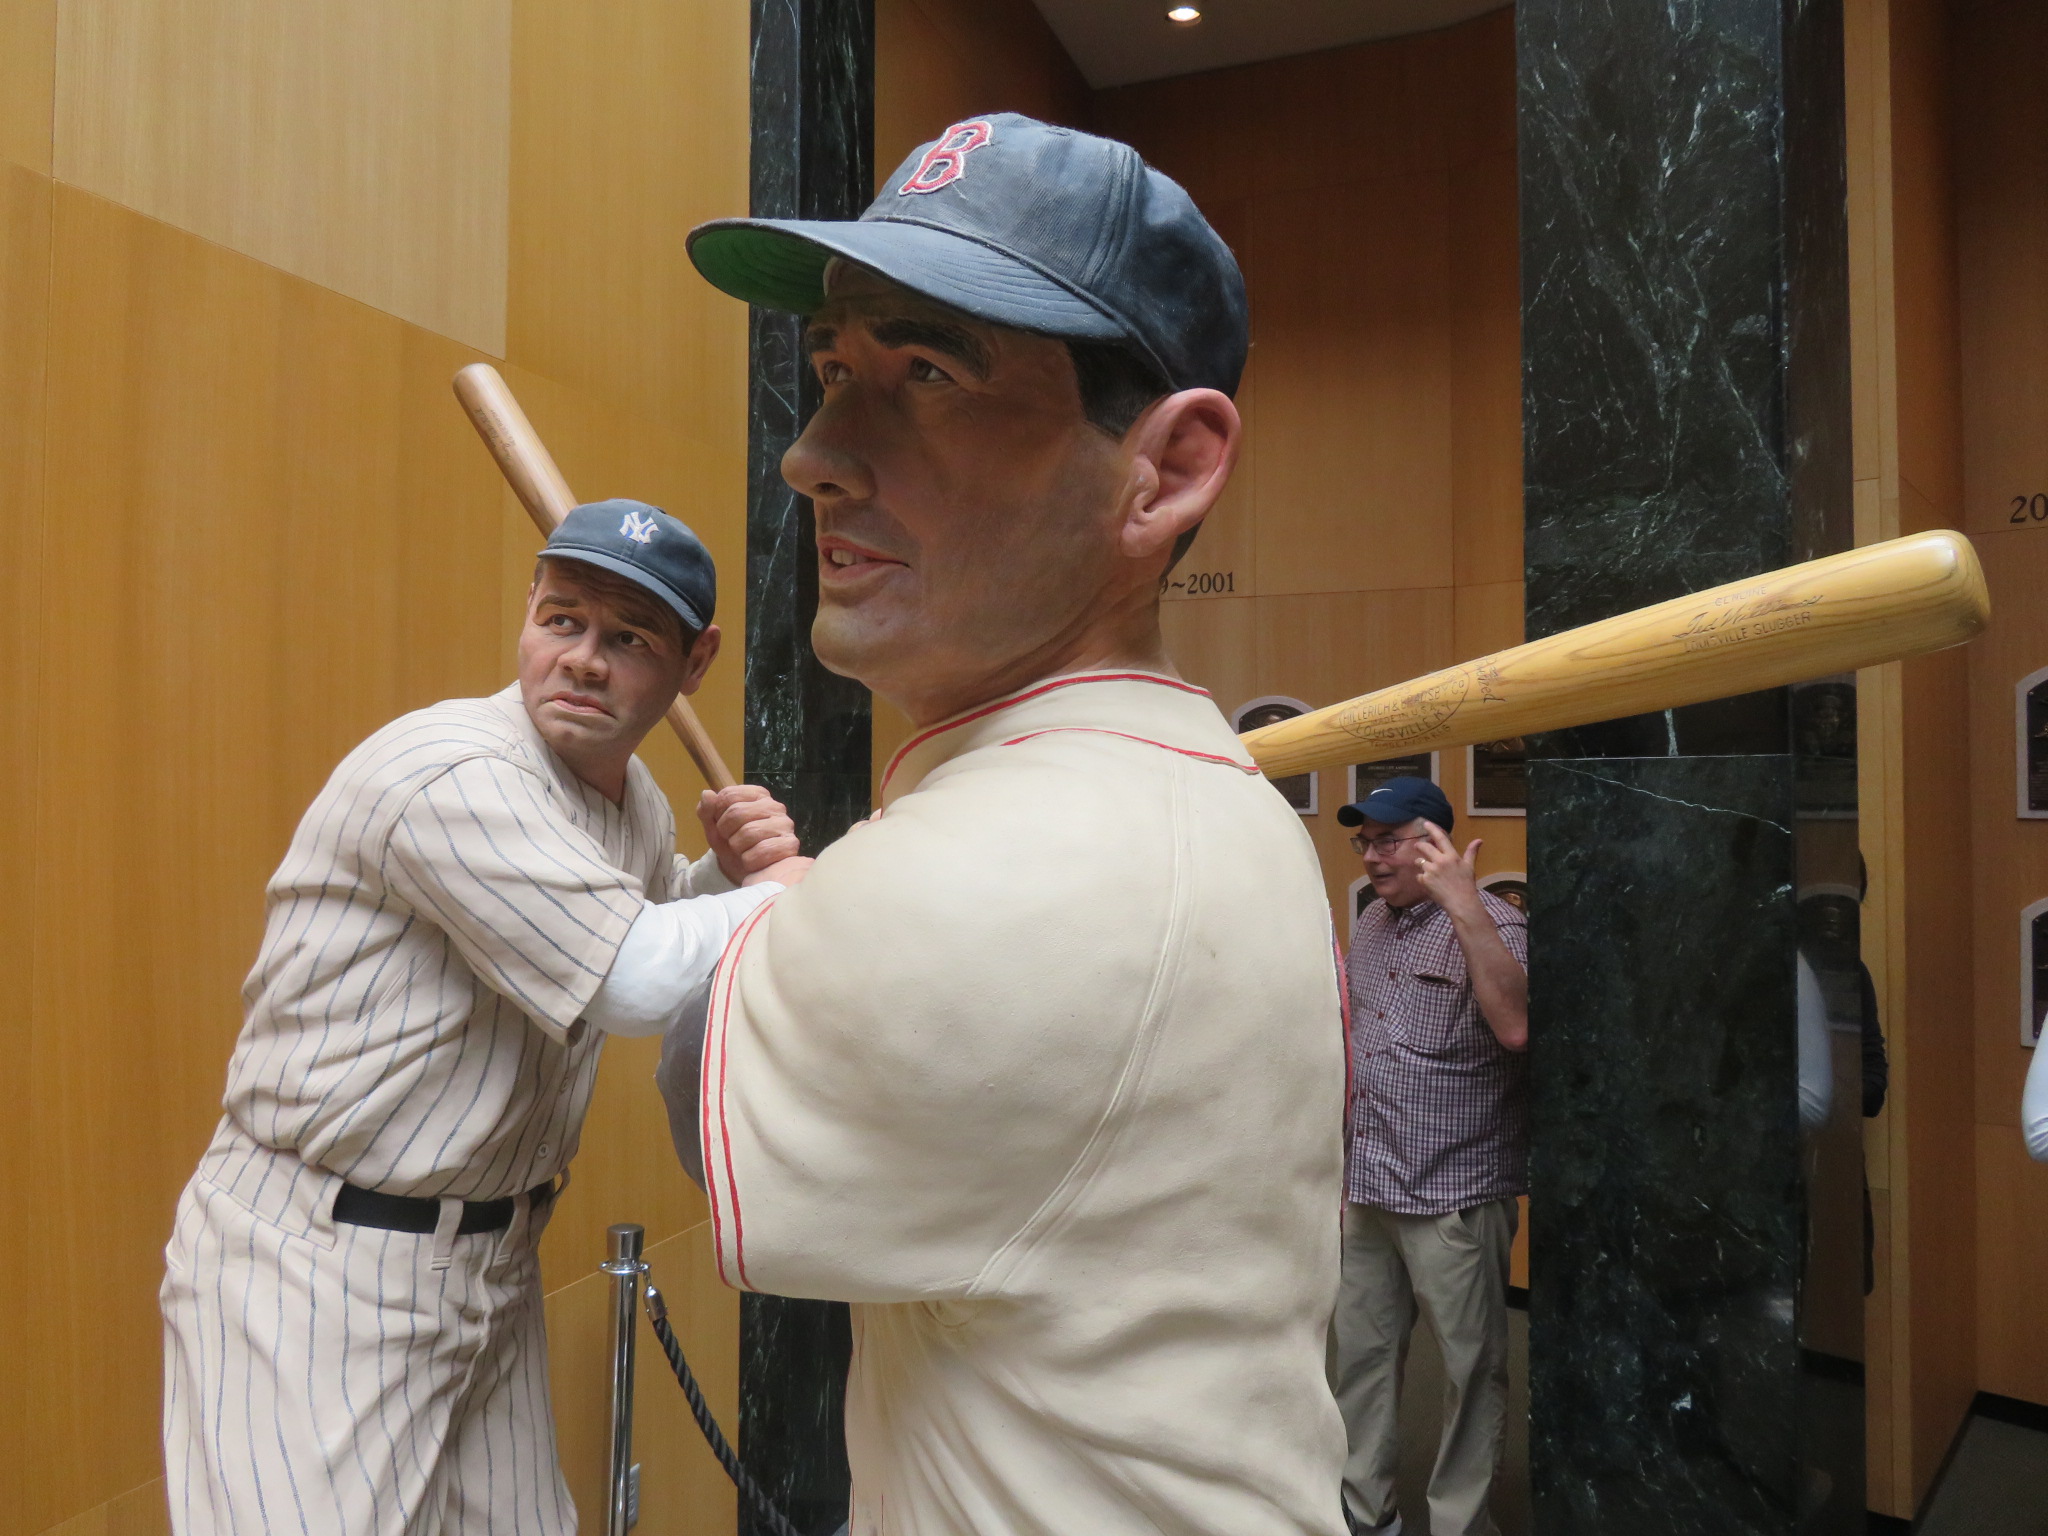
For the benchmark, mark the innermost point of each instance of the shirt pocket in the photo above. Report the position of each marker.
(1432, 1014)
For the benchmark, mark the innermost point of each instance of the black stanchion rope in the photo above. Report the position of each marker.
(751, 1491)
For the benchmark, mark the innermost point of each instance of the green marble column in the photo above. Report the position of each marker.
(1685, 409)
(806, 730)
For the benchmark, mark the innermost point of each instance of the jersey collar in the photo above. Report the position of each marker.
(1145, 705)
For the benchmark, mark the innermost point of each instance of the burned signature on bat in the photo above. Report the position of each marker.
(1749, 615)
(1415, 712)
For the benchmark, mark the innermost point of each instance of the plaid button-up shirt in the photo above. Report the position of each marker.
(1439, 1108)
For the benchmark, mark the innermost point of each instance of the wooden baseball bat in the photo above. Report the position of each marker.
(1879, 603)
(530, 470)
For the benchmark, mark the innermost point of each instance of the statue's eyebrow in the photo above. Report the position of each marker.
(950, 341)
(962, 346)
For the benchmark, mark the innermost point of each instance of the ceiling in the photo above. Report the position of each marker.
(1116, 42)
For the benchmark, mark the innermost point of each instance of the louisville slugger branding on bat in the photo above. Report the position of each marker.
(1880, 603)
(1746, 615)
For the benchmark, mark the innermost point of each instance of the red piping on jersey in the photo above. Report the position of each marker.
(1103, 730)
(1344, 1008)
(1002, 704)
(727, 965)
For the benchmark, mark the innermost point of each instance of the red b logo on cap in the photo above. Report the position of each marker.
(946, 161)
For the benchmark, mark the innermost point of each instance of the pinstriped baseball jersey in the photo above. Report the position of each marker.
(451, 901)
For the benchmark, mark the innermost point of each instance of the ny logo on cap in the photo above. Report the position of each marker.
(638, 527)
(946, 161)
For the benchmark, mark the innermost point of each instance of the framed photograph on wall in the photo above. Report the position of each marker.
(1510, 885)
(1361, 779)
(1357, 898)
(1824, 748)
(2030, 738)
(1298, 789)
(2033, 972)
(1497, 778)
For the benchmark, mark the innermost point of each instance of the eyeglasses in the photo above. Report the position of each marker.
(1383, 846)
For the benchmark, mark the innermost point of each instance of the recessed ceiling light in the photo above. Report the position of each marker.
(1184, 15)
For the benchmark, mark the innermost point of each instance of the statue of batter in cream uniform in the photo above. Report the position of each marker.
(1042, 1067)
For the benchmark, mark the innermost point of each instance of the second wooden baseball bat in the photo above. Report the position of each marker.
(1883, 602)
(530, 470)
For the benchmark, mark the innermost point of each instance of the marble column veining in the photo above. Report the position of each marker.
(1666, 1213)
(1685, 415)
(807, 731)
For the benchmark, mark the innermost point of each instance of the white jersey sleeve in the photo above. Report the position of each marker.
(699, 877)
(1816, 1051)
(2034, 1104)
(668, 956)
(528, 899)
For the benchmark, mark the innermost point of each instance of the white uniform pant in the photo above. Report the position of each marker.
(1456, 1265)
(332, 1379)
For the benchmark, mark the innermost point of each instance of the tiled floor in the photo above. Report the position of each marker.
(1996, 1484)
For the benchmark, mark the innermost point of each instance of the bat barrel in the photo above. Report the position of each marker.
(1880, 603)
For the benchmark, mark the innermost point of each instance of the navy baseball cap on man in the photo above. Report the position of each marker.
(647, 547)
(1399, 801)
(1022, 224)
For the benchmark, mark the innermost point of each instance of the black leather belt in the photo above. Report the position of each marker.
(414, 1213)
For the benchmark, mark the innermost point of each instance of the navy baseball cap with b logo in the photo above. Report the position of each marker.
(647, 547)
(1023, 224)
(1398, 802)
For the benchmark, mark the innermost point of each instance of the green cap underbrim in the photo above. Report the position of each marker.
(765, 267)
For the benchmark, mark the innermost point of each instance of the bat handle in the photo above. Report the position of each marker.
(698, 743)
(535, 479)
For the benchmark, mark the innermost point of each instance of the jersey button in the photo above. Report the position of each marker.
(544, 1149)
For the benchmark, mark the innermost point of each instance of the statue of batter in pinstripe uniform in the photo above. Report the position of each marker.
(481, 892)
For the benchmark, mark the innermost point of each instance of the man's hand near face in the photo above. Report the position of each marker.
(1451, 880)
(752, 834)
(1499, 983)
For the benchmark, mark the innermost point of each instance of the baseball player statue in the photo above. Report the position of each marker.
(483, 890)
(1042, 1067)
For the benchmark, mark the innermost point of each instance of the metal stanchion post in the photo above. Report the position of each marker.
(623, 1244)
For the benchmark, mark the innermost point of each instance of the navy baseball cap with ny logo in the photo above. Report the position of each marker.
(1023, 224)
(647, 547)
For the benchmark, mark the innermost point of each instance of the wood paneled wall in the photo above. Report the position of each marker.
(937, 61)
(1920, 1325)
(1999, 54)
(1949, 209)
(250, 526)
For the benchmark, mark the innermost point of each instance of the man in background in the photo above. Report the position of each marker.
(1438, 1154)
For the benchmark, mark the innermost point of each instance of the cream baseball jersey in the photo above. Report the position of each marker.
(1042, 1069)
(450, 903)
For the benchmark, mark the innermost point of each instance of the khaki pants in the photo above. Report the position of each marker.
(1457, 1267)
